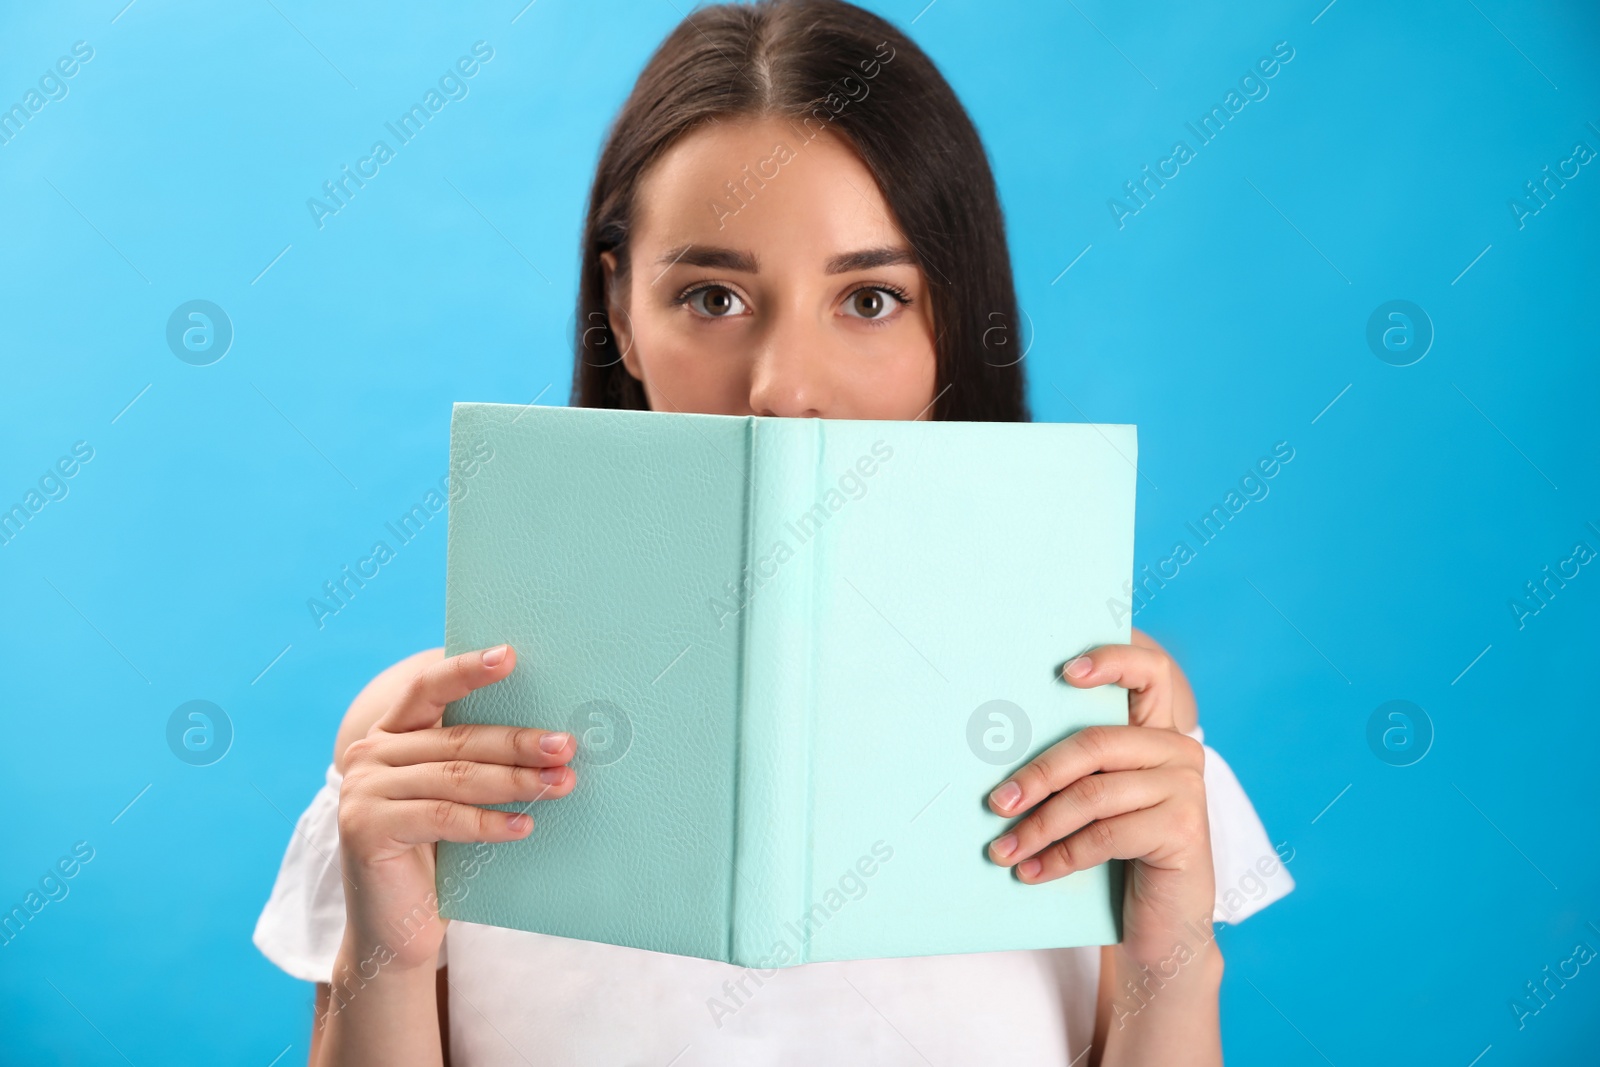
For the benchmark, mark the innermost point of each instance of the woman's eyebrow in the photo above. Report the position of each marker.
(737, 259)
(709, 256)
(868, 258)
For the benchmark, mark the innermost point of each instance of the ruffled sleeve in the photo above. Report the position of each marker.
(1250, 872)
(303, 923)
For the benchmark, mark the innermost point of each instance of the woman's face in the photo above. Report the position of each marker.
(803, 300)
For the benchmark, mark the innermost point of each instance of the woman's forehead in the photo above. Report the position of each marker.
(760, 186)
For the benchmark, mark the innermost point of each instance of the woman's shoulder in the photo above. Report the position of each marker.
(377, 697)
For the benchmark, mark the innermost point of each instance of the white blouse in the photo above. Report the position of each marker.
(522, 998)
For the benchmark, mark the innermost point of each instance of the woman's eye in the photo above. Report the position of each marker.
(871, 304)
(715, 302)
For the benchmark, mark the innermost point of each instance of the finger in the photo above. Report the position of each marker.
(1130, 836)
(1145, 672)
(525, 746)
(449, 680)
(466, 782)
(1094, 796)
(421, 822)
(1184, 713)
(1094, 748)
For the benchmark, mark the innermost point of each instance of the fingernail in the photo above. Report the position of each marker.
(495, 656)
(553, 742)
(1029, 868)
(1079, 667)
(519, 823)
(552, 775)
(1007, 795)
(1005, 846)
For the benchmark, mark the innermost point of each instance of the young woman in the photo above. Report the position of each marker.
(792, 216)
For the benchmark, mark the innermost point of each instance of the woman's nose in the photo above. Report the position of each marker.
(789, 377)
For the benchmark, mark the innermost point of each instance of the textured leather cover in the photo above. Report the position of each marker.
(797, 654)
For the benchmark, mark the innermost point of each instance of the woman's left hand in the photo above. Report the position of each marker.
(1132, 792)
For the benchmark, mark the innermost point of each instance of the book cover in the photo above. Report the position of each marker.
(797, 655)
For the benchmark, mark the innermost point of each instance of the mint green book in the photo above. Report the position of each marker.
(797, 655)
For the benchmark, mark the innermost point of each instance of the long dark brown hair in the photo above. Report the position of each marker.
(822, 64)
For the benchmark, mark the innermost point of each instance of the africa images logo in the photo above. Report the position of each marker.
(452, 85)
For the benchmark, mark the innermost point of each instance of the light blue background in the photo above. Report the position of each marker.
(1225, 317)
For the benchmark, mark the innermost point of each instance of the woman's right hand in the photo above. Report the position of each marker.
(410, 783)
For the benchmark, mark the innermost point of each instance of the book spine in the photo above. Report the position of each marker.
(772, 788)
